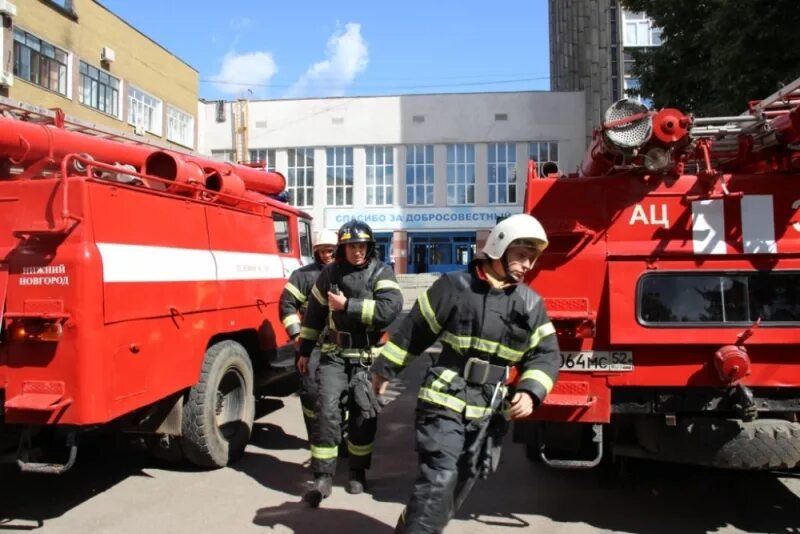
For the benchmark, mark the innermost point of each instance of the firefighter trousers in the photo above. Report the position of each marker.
(308, 395)
(442, 441)
(308, 399)
(333, 391)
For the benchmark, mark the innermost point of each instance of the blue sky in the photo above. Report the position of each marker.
(285, 49)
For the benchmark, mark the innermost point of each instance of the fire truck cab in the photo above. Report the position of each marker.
(139, 291)
(673, 281)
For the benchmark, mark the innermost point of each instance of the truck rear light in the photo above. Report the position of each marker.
(585, 329)
(35, 330)
(575, 329)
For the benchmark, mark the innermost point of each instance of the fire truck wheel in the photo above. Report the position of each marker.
(733, 444)
(762, 444)
(219, 412)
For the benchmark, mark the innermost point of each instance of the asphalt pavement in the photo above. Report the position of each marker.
(118, 489)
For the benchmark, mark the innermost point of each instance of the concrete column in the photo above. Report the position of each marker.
(522, 170)
(400, 153)
(440, 175)
(481, 174)
(400, 251)
(359, 177)
(320, 189)
(282, 161)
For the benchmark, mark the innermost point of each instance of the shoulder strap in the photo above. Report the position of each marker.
(373, 274)
(460, 279)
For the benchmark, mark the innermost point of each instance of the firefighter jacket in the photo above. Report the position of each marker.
(373, 301)
(502, 326)
(294, 299)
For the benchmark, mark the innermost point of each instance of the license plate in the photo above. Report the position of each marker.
(596, 360)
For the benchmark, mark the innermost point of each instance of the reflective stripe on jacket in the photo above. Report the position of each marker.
(369, 309)
(504, 326)
(294, 298)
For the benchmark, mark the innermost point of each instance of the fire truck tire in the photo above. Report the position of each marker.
(734, 444)
(762, 444)
(220, 408)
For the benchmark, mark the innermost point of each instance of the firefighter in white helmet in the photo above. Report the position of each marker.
(293, 303)
(488, 321)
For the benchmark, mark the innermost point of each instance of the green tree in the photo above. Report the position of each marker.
(718, 54)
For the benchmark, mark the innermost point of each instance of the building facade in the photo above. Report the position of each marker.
(591, 47)
(430, 173)
(79, 56)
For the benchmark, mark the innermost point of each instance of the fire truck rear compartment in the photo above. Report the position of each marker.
(703, 426)
(716, 442)
(737, 428)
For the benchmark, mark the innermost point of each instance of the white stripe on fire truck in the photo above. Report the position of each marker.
(144, 263)
(758, 225)
(708, 227)
(290, 265)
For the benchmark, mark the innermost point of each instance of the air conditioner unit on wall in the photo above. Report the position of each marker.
(7, 8)
(138, 129)
(6, 79)
(107, 54)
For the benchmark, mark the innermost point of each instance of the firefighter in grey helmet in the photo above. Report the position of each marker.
(487, 321)
(356, 297)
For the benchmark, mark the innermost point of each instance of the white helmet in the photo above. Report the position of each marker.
(325, 238)
(519, 226)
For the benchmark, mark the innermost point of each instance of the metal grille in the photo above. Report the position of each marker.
(632, 134)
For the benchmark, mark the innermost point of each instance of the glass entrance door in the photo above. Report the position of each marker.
(419, 258)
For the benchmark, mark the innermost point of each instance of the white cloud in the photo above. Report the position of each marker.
(247, 73)
(347, 55)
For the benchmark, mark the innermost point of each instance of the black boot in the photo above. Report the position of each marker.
(321, 489)
(357, 482)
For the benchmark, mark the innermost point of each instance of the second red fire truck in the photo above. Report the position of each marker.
(673, 279)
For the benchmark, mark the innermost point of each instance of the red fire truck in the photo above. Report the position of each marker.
(673, 280)
(139, 290)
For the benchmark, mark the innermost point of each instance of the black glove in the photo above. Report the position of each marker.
(363, 395)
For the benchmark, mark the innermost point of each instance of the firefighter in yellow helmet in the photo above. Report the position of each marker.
(356, 297)
(488, 320)
(293, 303)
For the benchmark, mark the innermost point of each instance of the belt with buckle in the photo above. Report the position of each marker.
(351, 340)
(477, 371)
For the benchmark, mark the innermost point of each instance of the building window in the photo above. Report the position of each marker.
(265, 156)
(40, 62)
(632, 84)
(300, 176)
(419, 175)
(220, 111)
(543, 152)
(502, 173)
(380, 175)
(461, 174)
(223, 155)
(144, 110)
(639, 30)
(99, 90)
(180, 127)
(64, 4)
(340, 176)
